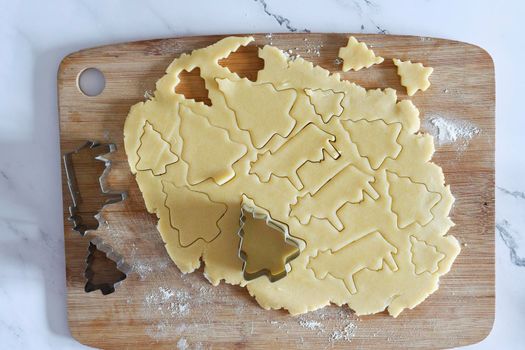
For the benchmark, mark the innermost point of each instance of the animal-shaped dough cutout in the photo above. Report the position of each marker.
(371, 252)
(347, 186)
(306, 146)
(154, 152)
(314, 175)
(327, 103)
(414, 76)
(412, 202)
(192, 214)
(424, 256)
(375, 140)
(357, 55)
(207, 149)
(260, 109)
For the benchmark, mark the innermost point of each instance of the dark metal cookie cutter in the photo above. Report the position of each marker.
(113, 277)
(97, 150)
(249, 207)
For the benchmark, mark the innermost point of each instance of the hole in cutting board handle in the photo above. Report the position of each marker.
(91, 82)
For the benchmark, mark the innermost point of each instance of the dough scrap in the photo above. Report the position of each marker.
(414, 76)
(356, 55)
(348, 173)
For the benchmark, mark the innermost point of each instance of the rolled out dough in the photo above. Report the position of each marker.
(343, 167)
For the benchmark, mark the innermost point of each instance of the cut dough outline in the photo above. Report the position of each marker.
(334, 217)
(227, 132)
(343, 122)
(349, 282)
(322, 90)
(417, 183)
(147, 122)
(176, 229)
(296, 181)
(250, 132)
(436, 251)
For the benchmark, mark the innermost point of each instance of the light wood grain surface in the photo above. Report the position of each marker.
(140, 315)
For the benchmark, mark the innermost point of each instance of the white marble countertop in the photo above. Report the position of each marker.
(36, 35)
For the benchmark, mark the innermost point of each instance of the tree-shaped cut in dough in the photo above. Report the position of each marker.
(425, 257)
(259, 109)
(347, 186)
(414, 76)
(327, 103)
(154, 152)
(207, 149)
(193, 214)
(356, 55)
(307, 145)
(371, 252)
(375, 140)
(411, 201)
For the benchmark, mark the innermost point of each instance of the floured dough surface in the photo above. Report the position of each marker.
(344, 168)
(356, 55)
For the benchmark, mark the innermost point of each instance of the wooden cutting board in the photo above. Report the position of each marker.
(156, 306)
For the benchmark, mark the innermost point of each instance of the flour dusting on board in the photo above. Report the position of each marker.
(311, 324)
(344, 329)
(450, 131)
(176, 314)
(346, 334)
(169, 302)
(182, 344)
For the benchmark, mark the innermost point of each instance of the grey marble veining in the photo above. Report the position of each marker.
(283, 21)
(36, 35)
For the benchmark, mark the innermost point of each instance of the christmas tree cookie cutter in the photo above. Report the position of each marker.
(104, 277)
(255, 253)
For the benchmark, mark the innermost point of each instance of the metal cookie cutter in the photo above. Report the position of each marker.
(248, 207)
(95, 151)
(104, 276)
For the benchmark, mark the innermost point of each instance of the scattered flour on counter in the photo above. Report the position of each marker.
(148, 94)
(142, 269)
(269, 38)
(448, 130)
(347, 333)
(158, 331)
(182, 344)
(168, 301)
(311, 324)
